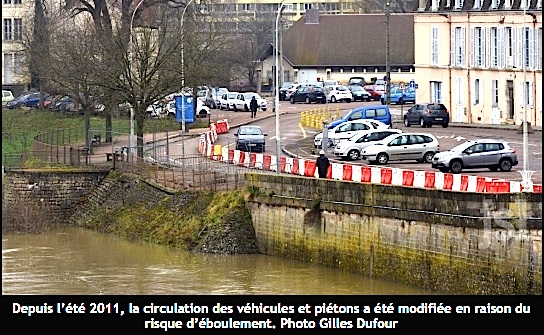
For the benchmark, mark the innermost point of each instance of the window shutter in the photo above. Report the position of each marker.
(531, 48)
(500, 47)
(487, 47)
(452, 46)
(522, 94)
(472, 47)
(463, 46)
(520, 48)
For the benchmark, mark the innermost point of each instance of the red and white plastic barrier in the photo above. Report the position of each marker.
(356, 173)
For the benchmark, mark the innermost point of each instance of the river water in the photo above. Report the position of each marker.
(83, 262)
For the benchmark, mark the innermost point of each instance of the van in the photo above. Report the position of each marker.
(379, 112)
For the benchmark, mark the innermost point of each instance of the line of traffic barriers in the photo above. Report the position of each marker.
(315, 118)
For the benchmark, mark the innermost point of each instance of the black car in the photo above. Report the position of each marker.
(309, 94)
(359, 93)
(427, 115)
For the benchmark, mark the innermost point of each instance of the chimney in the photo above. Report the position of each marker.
(421, 6)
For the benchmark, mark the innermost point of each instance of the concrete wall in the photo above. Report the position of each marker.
(460, 243)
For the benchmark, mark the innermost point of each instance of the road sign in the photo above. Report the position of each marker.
(413, 83)
(241, 84)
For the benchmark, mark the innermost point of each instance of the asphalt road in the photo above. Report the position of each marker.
(298, 140)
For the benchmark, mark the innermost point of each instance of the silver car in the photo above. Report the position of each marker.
(404, 146)
(352, 148)
(483, 153)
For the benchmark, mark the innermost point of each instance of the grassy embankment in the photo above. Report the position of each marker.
(19, 127)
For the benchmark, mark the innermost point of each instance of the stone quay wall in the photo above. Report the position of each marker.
(450, 242)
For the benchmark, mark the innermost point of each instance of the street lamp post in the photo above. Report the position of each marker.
(525, 174)
(277, 91)
(183, 126)
(387, 54)
(131, 137)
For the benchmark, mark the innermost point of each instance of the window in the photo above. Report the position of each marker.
(434, 45)
(288, 7)
(527, 47)
(507, 4)
(436, 91)
(434, 4)
(8, 30)
(494, 4)
(307, 6)
(477, 4)
(509, 37)
(18, 29)
(458, 46)
(528, 93)
(494, 34)
(478, 42)
(458, 4)
(524, 4)
(18, 63)
(246, 7)
(476, 91)
(495, 93)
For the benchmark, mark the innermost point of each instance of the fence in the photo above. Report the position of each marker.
(193, 171)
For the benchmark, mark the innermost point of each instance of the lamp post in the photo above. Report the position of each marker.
(277, 91)
(387, 54)
(183, 84)
(131, 137)
(525, 174)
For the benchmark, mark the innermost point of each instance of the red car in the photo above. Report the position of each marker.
(375, 91)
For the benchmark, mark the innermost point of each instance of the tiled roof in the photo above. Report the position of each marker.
(468, 5)
(350, 40)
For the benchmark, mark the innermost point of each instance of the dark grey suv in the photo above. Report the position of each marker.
(427, 115)
(250, 138)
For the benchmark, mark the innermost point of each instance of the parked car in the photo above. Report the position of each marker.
(379, 112)
(31, 100)
(352, 148)
(160, 109)
(308, 94)
(227, 100)
(213, 96)
(7, 96)
(345, 130)
(400, 96)
(376, 91)
(337, 93)
(294, 88)
(284, 88)
(427, 114)
(241, 103)
(357, 81)
(483, 153)
(250, 138)
(400, 147)
(201, 95)
(359, 93)
(328, 82)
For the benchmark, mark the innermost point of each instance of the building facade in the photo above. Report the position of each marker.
(482, 59)
(17, 17)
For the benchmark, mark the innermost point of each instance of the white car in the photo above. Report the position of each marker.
(202, 110)
(347, 129)
(352, 148)
(337, 93)
(420, 147)
(213, 96)
(227, 100)
(241, 103)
